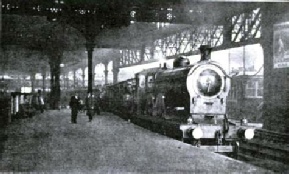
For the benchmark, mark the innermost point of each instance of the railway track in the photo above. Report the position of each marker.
(257, 149)
(268, 149)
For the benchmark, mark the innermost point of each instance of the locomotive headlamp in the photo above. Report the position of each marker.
(197, 133)
(249, 134)
(246, 133)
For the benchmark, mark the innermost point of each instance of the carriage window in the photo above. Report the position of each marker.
(141, 81)
(150, 81)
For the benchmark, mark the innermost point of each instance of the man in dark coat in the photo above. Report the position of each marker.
(74, 105)
(89, 103)
(40, 101)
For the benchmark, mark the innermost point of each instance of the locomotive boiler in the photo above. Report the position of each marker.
(185, 90)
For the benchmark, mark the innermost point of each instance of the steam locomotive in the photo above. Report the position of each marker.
(192, 95)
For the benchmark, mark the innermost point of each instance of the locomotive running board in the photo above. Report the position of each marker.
(238, 123)
(217, 148)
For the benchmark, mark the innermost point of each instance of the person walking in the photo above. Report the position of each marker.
(74, 105)
(89, 104)
(40, 101)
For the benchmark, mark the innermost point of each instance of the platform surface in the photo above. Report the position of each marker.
(109, 144)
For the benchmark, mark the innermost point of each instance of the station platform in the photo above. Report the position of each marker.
(50, 143)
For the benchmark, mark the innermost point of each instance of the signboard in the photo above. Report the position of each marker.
(281, 45)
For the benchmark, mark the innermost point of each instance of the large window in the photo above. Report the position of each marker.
(254, 88)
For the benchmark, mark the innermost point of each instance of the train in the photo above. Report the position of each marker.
(194, 95)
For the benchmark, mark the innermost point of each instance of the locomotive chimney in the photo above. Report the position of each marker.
(205, 52)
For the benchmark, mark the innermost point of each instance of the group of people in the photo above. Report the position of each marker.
(91, 106)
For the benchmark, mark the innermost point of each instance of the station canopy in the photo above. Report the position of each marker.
(138, 22)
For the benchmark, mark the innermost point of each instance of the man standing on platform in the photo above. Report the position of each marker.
(40, 101)
(74, 105)
(89, 103)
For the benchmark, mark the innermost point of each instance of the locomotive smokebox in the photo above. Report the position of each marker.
(205, 52)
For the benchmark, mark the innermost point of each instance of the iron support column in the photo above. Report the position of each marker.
(43, 82)
(89, 47)
(32, 78)
(67, 82)
(83, 77)
(115, 75)
(105, 73)
(106, 77)
(93, 74)
(115, 70)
